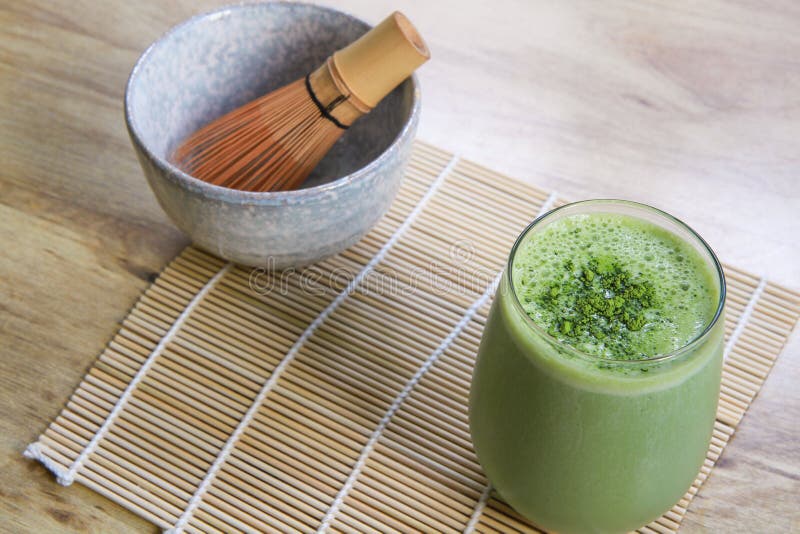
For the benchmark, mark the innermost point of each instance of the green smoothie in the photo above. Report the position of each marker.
(596, 385)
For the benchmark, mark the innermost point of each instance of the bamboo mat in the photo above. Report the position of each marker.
(335, 399)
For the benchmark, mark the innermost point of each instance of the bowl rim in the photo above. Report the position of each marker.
(190, 183)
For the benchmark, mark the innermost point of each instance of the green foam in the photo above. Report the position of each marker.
(614, 286)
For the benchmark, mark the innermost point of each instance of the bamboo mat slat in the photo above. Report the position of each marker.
(335, 398)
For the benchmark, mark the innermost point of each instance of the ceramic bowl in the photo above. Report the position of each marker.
(216, 62)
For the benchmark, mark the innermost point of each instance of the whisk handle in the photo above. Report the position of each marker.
(381, 59)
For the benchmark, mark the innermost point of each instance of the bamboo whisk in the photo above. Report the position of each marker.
(274, 142)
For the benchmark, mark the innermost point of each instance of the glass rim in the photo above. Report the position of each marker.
(657, 358)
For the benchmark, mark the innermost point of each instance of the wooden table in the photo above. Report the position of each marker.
(691, 106)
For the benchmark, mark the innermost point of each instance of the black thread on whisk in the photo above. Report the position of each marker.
(326, 110)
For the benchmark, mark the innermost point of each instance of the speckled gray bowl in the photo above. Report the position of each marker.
(217, 61)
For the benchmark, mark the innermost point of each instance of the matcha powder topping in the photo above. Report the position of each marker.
(599, 301)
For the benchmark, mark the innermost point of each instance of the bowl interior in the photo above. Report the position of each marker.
(218, 61)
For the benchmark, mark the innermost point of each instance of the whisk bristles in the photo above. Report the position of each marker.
(270, 144)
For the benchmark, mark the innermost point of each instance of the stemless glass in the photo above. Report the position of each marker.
(579, 443)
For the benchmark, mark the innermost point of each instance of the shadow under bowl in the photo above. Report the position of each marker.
(218, 61)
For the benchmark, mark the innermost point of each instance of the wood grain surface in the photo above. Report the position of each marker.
(693, 107)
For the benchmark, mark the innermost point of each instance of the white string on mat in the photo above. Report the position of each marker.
(376, 434)
(222, 457)
(65, 477)
(478, 510)
(446, 342)
(34, 451)
(745, 317)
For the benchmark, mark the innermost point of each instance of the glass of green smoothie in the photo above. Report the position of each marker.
(595, 389)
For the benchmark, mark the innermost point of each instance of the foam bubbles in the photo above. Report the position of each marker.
(685, 287)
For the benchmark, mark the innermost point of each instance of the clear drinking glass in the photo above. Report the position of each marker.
(579, 443)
